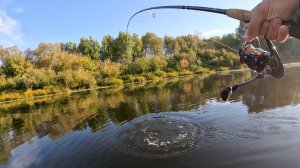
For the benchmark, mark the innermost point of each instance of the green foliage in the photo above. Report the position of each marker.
(67, 61)
(170, 45)
(172, 74)
(110, 82)
(68, 47)
(139, 66)
(90, 48)
(37, 79)
(185, 73)
(122, 50)
(107, 45)
(137, 46)
(70, 66)
(14, 65)
(135, 79)
(160, 74)
(202, 70)
(76, 79)
(109, 69)
(152, 44)
(157, 63)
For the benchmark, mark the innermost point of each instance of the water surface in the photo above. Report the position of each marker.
(179, 123)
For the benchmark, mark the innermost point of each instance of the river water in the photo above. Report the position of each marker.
(176, 123)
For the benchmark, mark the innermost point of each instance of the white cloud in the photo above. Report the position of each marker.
(212, 33)
(10, 31)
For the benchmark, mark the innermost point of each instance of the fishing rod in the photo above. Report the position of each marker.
(238, 14)
(261, 61)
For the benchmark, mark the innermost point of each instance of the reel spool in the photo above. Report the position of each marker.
(260, 61)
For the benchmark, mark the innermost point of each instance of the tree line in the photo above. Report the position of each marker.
(54, 67)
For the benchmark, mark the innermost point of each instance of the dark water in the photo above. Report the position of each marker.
(179, 123)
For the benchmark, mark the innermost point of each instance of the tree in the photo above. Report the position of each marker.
(107, 47)
(15, 65)
(89, 47)
(232, 40)
(68, 47)
(137, 46)
(182, 45)
(152, 44)
(47, 54)
(122, 50)
(170, 45)
(10, 51)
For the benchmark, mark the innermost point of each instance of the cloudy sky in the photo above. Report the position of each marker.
(26, 23)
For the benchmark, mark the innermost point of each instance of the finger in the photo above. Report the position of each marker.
(283, 33)
(264, 29)
(273, 29)
(259, 16)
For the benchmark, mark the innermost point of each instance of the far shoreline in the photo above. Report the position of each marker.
(288, 65)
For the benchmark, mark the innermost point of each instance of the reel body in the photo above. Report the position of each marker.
(260, 61)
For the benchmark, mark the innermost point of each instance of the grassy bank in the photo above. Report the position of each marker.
(14, 95)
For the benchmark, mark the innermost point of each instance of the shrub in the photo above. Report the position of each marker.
(202, 70)
(15, 65)
(110, 82)
(108, 68)
(160, 74)
(172, 74)
(139, 66)
(157, 63)
(38, 78)
(76, 79)
(139, 79)
(185, 73)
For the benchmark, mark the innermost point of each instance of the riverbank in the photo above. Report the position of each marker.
(124, 81)
(127, 80)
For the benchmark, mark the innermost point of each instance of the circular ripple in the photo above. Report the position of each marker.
(160, 137)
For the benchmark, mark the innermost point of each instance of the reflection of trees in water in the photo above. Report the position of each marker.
(272, 93)
(58, 117)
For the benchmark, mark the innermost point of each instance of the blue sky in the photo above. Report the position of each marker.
(26, 23)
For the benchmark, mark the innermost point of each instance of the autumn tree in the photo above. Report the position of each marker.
(14, 65)
(47, 54)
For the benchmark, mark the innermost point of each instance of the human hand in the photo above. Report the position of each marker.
(267, 18)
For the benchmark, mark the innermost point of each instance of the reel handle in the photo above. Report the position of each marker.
(245, 15)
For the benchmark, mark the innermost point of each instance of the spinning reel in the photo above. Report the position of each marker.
(259, 60)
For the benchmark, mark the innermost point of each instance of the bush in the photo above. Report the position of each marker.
(223, 68)
(139, 66)
(134, 79)
(38, 78)
(185, 73)
(202, 70)
(172, 74)
(160, 74)
(76, 79)
(14, 65)
(139, 79)
(2, 83)
(110, 82)
(109, 69)
(157, 63)
(151, 76)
